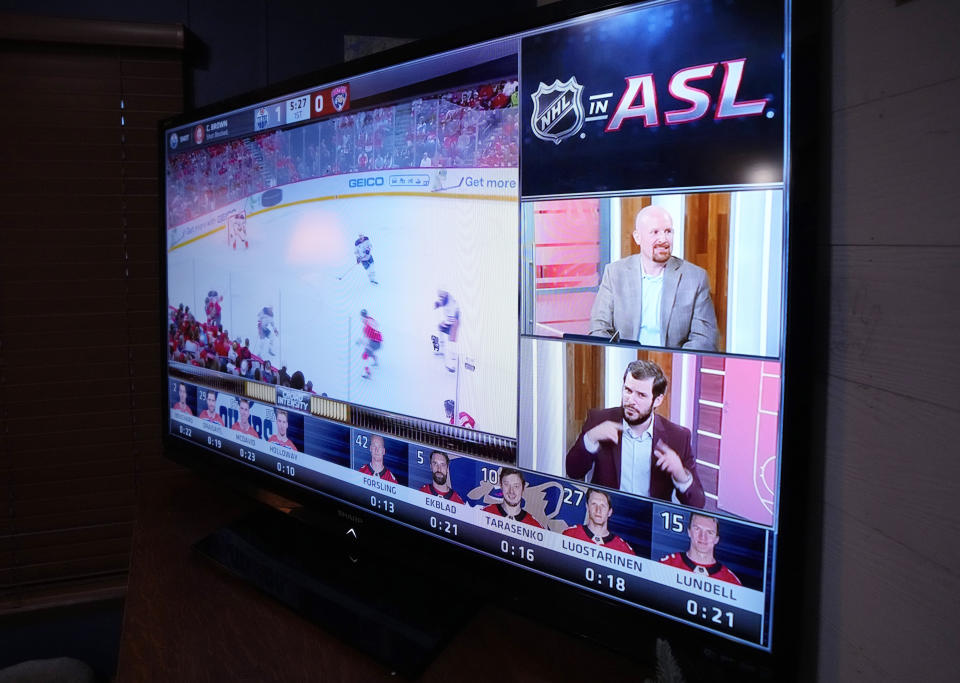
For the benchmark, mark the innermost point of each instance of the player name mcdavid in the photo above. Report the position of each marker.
(598, 552)
(243, 438)
(690, 580)
(380, 485)
(515, 528)
(442, 505)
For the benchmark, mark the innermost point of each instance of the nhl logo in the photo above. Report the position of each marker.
(557, 110)
(339, 97)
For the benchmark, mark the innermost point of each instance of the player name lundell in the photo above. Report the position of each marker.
(380, 485)
(689, 580)
(596, 552)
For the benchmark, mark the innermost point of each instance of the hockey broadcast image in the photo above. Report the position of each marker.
(514, 296)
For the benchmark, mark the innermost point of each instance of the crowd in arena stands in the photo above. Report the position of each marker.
(471, 127)
(208, 345)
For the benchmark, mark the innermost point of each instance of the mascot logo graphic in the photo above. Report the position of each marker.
(557, 110)
(339, 97)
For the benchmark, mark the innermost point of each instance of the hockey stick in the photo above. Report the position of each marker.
(340, 277)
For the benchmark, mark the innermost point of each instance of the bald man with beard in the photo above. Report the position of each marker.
(653, 297)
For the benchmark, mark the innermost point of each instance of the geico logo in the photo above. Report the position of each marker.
(366, 182)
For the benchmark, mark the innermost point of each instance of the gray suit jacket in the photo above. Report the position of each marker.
(687, 318)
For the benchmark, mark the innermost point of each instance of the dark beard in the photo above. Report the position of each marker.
(439, 478)
(640, 420)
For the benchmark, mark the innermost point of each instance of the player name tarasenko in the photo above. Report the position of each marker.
(516, 528)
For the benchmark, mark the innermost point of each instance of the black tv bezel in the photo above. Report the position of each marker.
(795, 628)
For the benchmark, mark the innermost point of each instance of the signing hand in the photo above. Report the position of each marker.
(669, 461)
(605, 431)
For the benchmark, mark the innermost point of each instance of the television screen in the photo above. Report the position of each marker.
(526, 296)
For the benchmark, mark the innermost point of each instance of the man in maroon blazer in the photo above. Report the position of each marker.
(635, 450)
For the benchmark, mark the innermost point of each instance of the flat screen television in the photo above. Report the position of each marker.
(527, 294)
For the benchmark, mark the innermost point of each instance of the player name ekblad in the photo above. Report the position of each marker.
(689, 580)
(596, 552)
(287, 453)
(442, 504)
(524, 530)
(380, 485)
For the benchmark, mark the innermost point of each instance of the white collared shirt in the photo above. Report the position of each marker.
(651, 296)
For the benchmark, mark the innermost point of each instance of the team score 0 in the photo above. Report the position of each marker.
(249, 456)
(444, 526)
(612, 581)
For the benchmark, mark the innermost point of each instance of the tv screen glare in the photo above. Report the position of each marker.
(521, 296)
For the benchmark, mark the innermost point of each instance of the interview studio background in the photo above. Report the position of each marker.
(736, 237)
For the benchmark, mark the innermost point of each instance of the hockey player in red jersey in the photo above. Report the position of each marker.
(181, 405)
(704, 532)
(594, 529)
(211, 306)
(210, 413)
(461, 419)
(283, 422)
(440, 486)
(377, 468)
(370, 340)
(243, 425)
(512, 485)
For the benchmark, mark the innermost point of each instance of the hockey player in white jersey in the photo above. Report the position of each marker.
(363, 250)
(444, 343)
(267, 332)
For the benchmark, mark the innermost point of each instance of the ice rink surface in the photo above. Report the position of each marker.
(301, 263)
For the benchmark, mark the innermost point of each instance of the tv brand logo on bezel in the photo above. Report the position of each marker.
(557, 110)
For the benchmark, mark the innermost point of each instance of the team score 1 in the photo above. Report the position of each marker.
(287, 469)
(714, 614)
(617, 583)
(186, 431)
(523, 552)
(214, 441)
(250, 456)
(382, 504)
(444, 526)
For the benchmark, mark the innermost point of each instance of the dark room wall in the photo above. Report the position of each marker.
(248, 44)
